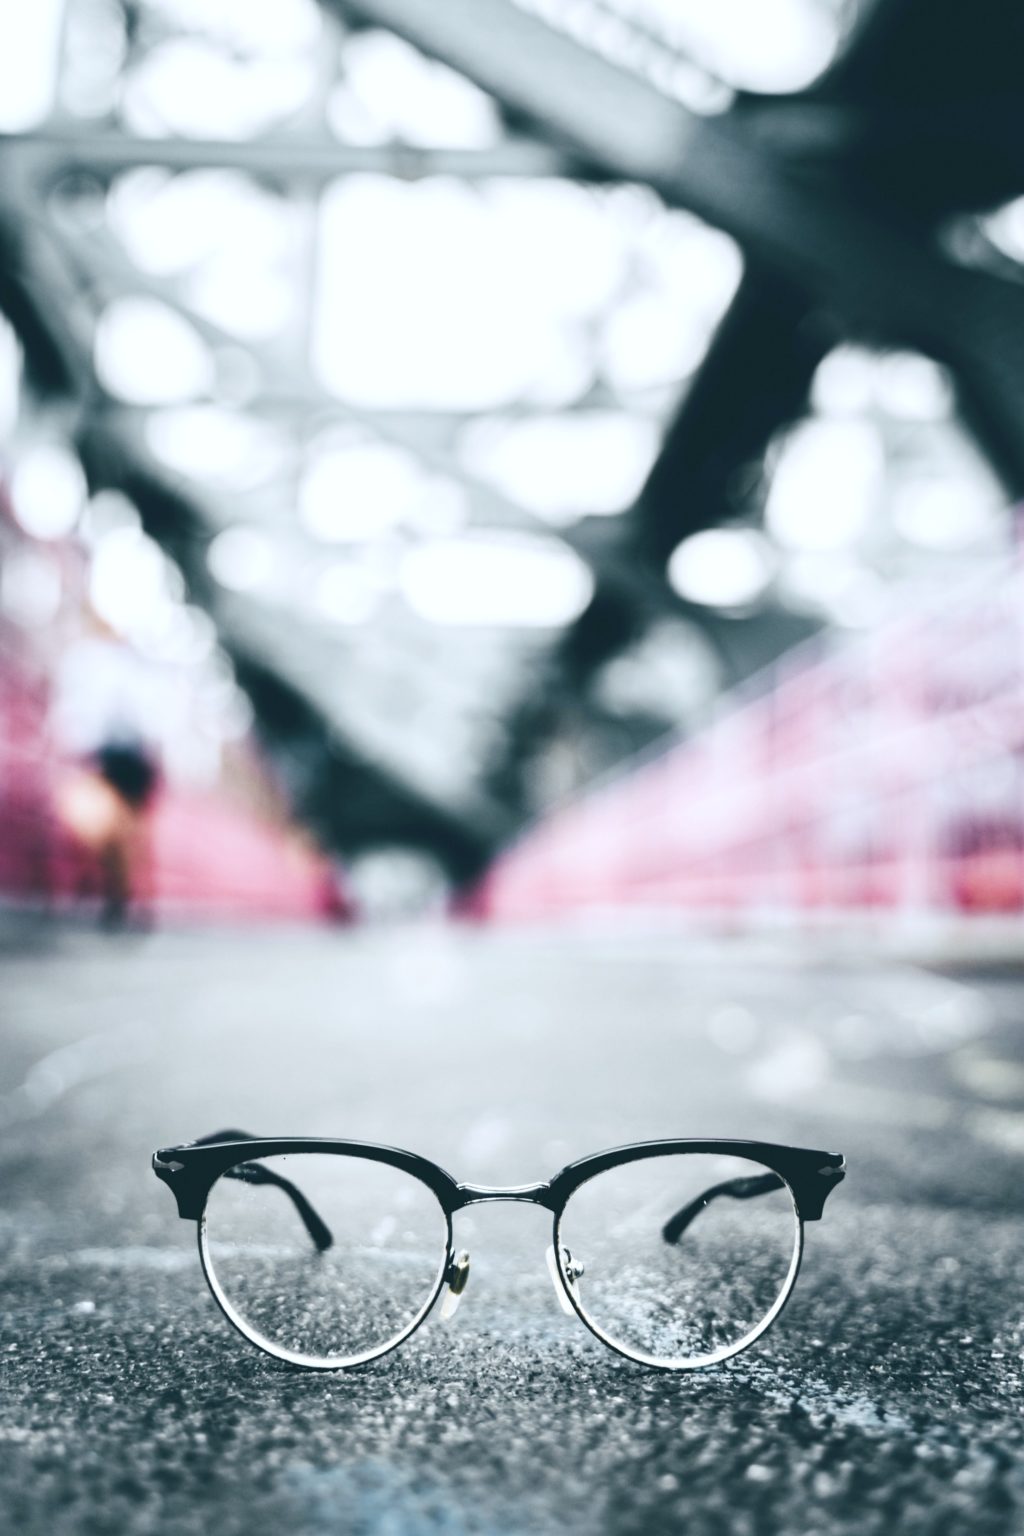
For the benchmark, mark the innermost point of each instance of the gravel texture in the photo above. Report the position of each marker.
(886, 1399)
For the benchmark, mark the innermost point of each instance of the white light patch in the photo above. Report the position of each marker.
(128, 580)
(947, 513)
(1005, 229)
(10, 377)
(827, 485)
(148, 354)
(172, 223)
(757, 45)
(496, 579)
(686, 276)
(216, 445)
(256, 26)
(844, 382)
(443, 296)
(564, 467)
(241, 559)
(187, 86)
(359, 491)
(722, 567)
(48, 491)
(390, 91)
(913, 388)
(29, 45)
(835, 586)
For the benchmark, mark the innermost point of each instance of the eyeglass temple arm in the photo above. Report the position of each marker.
(736, 1189)
(256, 1173)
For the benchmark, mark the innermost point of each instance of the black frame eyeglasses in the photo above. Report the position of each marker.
(328, 1254)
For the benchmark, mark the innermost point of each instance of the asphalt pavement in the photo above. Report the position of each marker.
(887, 1399)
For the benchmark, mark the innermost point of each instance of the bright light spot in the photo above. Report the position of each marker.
(241, 559)
(93, 54)
(827, 485)
(104, 512)
(10, 377)
(644, 346)
(30, 590)
(175, 633)
(242, 297)
(947, 513)
(148, 354)
(563, 467)
(446, 296)
(343, 595)
(29, 45)
(88, 807)
(1006, 229)
(48, 491)
(851, 381)
(757, 45)
(359, 491)
(128, 579)
(913, 388)
(171, 223)
(659, 333)
(492, 579)
(186, 86)
(391, 92)
(844, 382)
(722, 567)
(836, 588)
(274, 26)
(216, 445)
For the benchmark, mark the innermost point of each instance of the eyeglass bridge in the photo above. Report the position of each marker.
(527, 1194)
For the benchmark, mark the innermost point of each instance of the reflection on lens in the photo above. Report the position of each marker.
(264, 1241)
(685, 1258)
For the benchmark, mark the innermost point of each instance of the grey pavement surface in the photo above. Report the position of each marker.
(886, 1399)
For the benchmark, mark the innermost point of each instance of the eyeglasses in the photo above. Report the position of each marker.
(327, 1254)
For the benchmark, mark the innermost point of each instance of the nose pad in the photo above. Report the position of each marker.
(457, 1277)
(573, 1271)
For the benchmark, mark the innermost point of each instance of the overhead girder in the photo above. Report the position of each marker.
(285, 160)
(877, 278)
(754, 380)
(860, 271)
(599, 544)
(348, 794)
(828, 255)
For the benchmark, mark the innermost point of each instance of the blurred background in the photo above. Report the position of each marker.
(513, 458)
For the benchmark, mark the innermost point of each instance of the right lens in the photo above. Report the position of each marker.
(680, 1259)
(323, 1259)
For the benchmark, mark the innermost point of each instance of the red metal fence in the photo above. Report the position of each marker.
(885, 772)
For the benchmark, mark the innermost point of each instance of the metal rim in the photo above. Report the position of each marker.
(309, 1362)
(696, 1362)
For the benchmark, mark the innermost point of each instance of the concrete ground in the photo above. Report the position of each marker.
(887, 1398)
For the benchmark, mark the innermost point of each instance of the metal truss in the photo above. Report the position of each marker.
(837, 242)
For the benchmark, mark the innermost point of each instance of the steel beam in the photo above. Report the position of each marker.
(34, 265)
(53, 152)
(876, 277)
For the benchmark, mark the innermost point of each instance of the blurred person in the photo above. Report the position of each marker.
(104, 721)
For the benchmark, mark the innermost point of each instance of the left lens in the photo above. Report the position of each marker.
(681, 1259)
(323, 1259)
